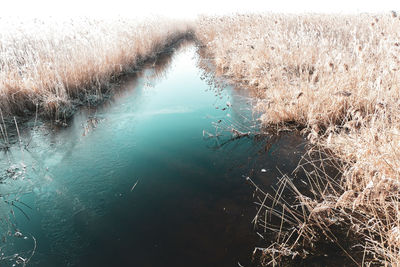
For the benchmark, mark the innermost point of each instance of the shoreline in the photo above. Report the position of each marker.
(59, 71)
(107, 89)
(330, 76)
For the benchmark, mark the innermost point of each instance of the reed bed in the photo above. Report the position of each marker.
(336, 77)
(57, 64)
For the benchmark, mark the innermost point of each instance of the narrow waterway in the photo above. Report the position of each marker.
(153, 177)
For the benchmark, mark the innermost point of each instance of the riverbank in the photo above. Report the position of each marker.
(337, 78)
(50, 66)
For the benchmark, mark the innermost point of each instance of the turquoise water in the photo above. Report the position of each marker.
(151, 178)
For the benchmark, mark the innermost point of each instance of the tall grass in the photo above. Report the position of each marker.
(338, 78)
(335, 76)
(59, 63)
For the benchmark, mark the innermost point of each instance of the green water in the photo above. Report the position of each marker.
(142, 180)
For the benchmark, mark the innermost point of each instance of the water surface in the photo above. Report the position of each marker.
(143, 180)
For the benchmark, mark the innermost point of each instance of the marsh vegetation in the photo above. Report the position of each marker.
(332, 78)
(59, 64)
(336, 78)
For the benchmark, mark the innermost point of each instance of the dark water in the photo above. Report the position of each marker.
(142, 180)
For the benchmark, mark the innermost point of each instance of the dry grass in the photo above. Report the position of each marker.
(338, 77)
(335, 76)
(56, 64)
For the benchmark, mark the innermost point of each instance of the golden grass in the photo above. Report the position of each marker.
(57, 63)
(338, 77)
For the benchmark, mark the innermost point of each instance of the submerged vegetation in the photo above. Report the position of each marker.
(336, 77)
(57, 65)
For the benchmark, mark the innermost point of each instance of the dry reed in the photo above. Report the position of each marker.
(57, 64)
(337, 77)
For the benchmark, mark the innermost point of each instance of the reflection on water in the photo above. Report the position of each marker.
(151, 178)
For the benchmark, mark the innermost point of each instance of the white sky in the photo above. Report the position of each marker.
(185, 9)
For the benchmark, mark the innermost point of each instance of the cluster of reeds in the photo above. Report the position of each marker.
(57, 64)
(338, 78)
